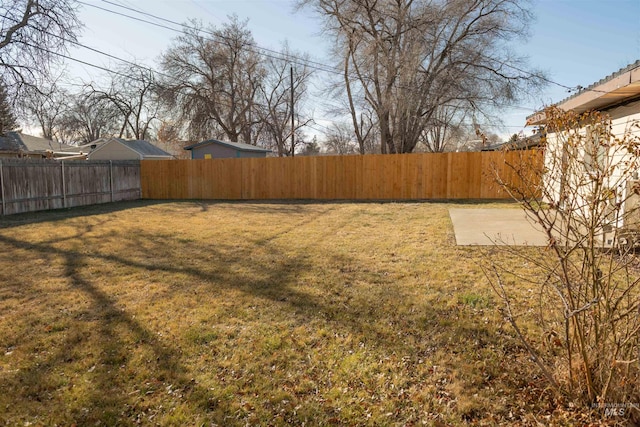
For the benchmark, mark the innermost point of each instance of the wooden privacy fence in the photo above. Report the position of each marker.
(34, 185)
(368, 177)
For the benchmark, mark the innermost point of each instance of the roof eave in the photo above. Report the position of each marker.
(609, 93)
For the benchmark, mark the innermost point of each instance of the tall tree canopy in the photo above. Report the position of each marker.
(133, 94)
(275, 109)
(32, 33)
(406, 59)
(87, 118)
(221, 85)
(214, 75)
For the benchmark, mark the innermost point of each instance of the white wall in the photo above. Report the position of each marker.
(625, 122)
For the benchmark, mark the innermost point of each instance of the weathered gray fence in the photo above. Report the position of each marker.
(35, 185)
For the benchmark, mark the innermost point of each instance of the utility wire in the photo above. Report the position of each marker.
(323, 67)
(316, 65)
(113, 71)
(307, 62)
(269, 53)
(70, 58)
(117, 58)
(295, 59)
(76, 43)
(151, 70)
(109, 70)
(302, 61)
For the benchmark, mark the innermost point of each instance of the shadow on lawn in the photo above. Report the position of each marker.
(108, 399)
(111, 399)
(116, 331)
(15, 220)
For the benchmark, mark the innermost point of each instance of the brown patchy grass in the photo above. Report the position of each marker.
(255, 313)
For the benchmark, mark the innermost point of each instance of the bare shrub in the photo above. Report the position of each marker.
(586, 280)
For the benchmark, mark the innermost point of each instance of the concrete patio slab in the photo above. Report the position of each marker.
(488, 227)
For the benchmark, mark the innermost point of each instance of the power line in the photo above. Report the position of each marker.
(76, 43)
(104, 68)
(117, 58)
(310, 126)
(269, 53)
(70, 58)
(293, 58)
(173, 78)
(529, 73)
(151, 70)
(302, 61)
(333, 121)
(578, 88)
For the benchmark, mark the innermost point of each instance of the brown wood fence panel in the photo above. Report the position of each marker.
(34, 185)
(369, 177)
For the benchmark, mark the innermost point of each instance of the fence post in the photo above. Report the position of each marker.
(64, 190)
(111, 178)
(4, 210)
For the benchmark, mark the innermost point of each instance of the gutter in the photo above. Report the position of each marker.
(609, 92)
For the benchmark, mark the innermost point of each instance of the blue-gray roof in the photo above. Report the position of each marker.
(142, 147)
(11, 141)
(235, 145)
(18, 141)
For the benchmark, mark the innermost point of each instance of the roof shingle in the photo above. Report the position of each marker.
(237, 145)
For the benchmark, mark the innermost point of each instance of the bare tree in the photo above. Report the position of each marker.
(167, 132)
(340, 139)
(214, 76)
(45, 106)
(347, 99)
(366, 131)
(406, 58)
(445, 130)
(32, 33)
(275, 109)
(311, 148)
(133, 92)
(168, 135)
(88, 118)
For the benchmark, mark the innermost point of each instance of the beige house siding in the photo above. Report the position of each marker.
(618, 96)
(625, 120)
(113, 150)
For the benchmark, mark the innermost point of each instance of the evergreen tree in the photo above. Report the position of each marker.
(8, 120)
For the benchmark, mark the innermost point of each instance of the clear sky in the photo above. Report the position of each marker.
(577, 42)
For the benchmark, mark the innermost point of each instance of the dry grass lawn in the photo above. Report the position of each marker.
(255, 314)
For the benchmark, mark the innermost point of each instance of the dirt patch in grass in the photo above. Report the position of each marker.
(255, 313)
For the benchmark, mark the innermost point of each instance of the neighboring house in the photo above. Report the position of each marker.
(122, 149)
(17, 144)
(618, 96)
(524, 143)
(214, 149)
